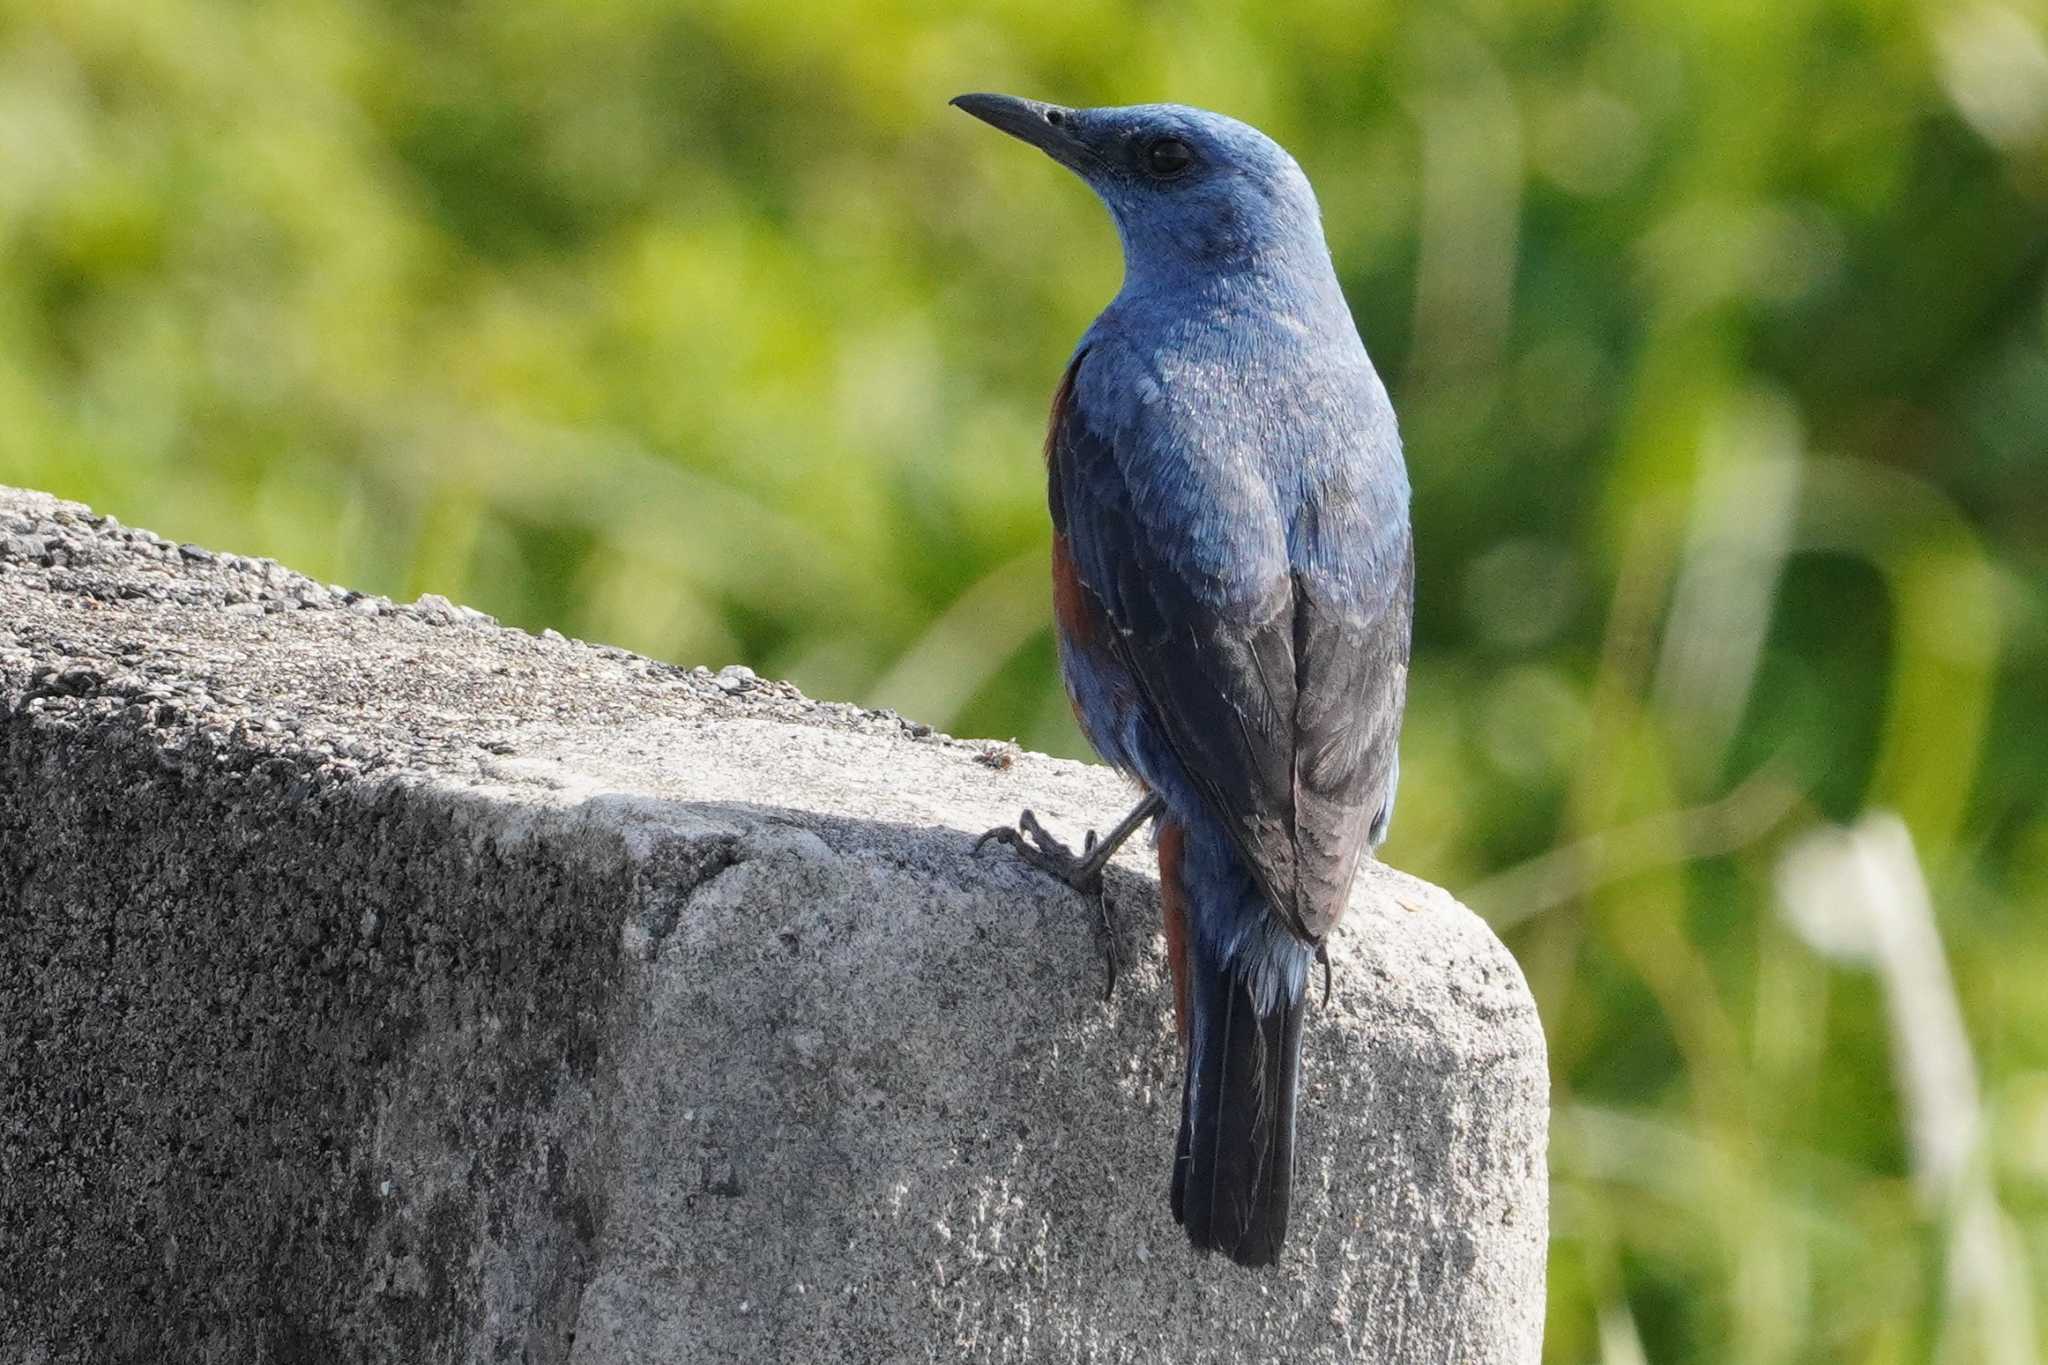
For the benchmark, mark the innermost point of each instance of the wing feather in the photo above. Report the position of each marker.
(1277, 691)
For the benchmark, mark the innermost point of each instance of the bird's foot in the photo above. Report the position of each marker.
(1040, 848)
(1083, 871)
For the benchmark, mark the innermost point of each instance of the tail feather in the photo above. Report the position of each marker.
(1233, 1170)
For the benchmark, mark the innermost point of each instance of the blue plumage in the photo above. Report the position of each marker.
(1233, 588)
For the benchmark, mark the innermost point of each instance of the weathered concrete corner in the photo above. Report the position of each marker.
(377, 983)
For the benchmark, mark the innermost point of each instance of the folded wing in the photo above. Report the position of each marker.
(1272, 672)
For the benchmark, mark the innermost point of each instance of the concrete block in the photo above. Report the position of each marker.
(379, 983)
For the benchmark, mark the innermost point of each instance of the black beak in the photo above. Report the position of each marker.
(1048, 127)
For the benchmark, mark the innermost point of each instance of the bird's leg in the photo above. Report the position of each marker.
(1323, 957)
(1084, 872)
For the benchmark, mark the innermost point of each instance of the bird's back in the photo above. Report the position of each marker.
(1231, 480)
(1264, 434)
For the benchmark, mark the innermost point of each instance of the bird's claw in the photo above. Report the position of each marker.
(1041, 849)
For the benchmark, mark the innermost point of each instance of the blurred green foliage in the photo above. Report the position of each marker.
(1720, 337)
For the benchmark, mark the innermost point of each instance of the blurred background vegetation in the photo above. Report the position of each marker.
(1720, 337)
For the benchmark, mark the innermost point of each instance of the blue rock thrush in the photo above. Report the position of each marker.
(1233, 581)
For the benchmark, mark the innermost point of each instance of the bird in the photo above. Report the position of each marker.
(1233, 582)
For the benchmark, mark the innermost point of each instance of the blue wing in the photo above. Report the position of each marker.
(1261, 639)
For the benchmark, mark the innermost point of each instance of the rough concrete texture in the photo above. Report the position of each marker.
(377, 983)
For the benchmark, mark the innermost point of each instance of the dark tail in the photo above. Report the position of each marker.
(1233, 1169)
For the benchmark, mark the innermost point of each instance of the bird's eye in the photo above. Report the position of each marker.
(1168, 157)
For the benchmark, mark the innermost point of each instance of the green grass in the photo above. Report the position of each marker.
(1720, 339)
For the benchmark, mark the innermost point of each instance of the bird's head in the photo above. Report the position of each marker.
(1191, 191)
